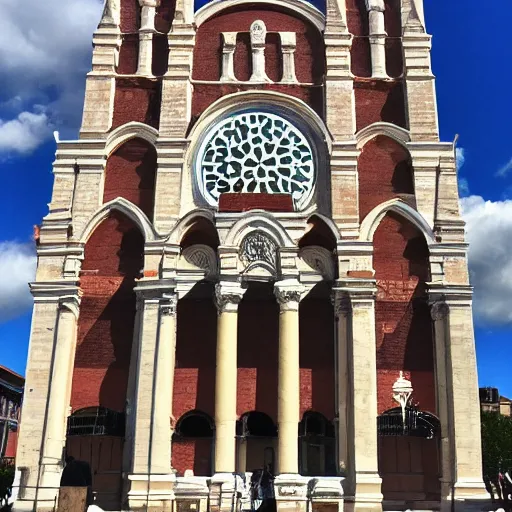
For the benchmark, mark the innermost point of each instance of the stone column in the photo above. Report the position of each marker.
(228, 296)
(146, 31)
(341, 305)
(288, 45)
(440, 316)
(228, 52)
(59, 392)
(378, 35)
(258, 37)
(165, 359)
(288, 294)
(151, 480)
(364, 482)
(458, 389)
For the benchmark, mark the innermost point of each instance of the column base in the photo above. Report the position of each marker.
(151, 492)
(291, 493)
(192, 493)
(365, 495)
(465, 495)
(225, 492)
(326, 494)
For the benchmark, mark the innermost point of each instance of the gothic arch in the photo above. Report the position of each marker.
(372, 220)
(231, 103)
(128, 131)
(304, 9)
(120, 204)
(258, 221)
(398, 134)
(180, 229)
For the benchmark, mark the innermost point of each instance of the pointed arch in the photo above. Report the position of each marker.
(261, 221)
(302, 8)
(135, 214)
(131, 130)
(179, 231)
(398, 134)
(372, 220)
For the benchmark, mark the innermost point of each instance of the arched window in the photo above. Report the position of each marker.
(317, 445)
(194, 424)
(96, 421)
(256, 424)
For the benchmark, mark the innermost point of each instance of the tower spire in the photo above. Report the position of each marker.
(110, 10)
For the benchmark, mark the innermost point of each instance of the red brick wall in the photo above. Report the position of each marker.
(137, 99)
(379, 101)
(194, 377)
(403, 325)
(165, 15)
(205, 95)
(317, 380)
(128, 54)
(258, 345)
(130, 173)
(384, 173)
(393, 24)
(195, 454)
(113, 258)
(357, 20)
(130, 16)
(309, 55)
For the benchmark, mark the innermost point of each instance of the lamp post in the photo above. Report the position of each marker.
(402, 391)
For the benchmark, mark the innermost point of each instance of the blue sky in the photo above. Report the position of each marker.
(44, 57)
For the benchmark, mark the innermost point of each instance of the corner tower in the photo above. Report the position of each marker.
(254, 263)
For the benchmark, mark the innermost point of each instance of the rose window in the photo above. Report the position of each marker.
(256, 152)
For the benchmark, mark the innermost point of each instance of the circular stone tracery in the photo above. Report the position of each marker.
(256, 152)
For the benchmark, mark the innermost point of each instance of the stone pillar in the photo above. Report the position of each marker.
(363, 480)
(151, 479)
(258, 36)
(378, 35)
(341, 305)
(288, 45)
(458, 388)
(228, 296)
(228, 52)
(59, 391)
(291, 488)
(288, 294)
(146, 31)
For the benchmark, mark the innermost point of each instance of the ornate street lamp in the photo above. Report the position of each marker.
(402, 391)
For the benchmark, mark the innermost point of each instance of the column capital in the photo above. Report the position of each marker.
(71, 303)
(169, 304)
(149, 3)
(439, 311)
(227, 296)
(288, 294)
(375, 5)
(341, 303)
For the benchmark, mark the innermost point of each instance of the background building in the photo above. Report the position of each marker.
(492, 401)
(11, 393)
(254, 254)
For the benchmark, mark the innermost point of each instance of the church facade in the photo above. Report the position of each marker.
(254, 264)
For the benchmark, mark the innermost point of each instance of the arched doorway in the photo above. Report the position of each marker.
(192, 444)
(96, 435)
(317, 445)
(409, 455)
(257, 443)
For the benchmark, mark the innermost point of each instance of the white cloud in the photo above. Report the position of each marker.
(505, 169)
(17, 269)
(460, 157)
(24, 133)
(489, 233)
(45, 52)
(463, 187)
